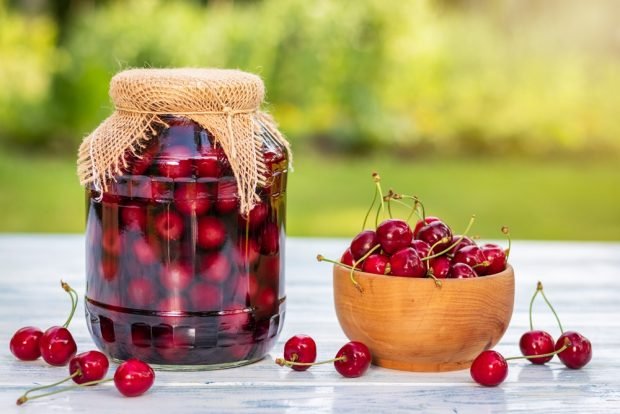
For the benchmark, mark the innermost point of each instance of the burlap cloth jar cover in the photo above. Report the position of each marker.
(224, 102)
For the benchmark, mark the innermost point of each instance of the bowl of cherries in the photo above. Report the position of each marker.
(419, 296)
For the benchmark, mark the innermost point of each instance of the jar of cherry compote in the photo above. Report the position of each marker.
(185, 270)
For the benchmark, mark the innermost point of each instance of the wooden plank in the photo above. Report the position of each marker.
(580, 278)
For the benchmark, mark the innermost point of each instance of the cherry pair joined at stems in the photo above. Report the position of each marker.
(56, 345)
(132, 377)
(352, 360)
(535, 343)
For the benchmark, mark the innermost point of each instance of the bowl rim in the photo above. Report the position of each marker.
(507, 271)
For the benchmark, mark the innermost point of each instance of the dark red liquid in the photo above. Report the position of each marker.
(175, 274)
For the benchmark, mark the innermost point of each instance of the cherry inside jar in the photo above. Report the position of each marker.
(176, 275)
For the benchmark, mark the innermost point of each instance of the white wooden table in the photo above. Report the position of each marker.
(581, 279)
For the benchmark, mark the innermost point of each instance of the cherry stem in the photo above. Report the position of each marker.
(412, 208)
(42, 387)
(357, 262)
(416, 203)
(566, 345)
(24, 398)
(321, 258)
(74, 301)
(447, 249)
(381, 209)
(539, 287)
(285, 363)
(387, 199)
(437, 281)
(374, 199)
(485, 263)
(506, 231)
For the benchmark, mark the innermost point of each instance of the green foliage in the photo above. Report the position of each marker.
(329, 196)
(356, 76)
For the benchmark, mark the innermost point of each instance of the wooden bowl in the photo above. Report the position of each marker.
(411, 324)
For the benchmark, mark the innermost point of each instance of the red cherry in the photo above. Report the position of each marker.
(300, 348)
(169, 225)
(469, 255)
(362, 243)
(461, 271)
(140, 292)
(406, 262)
(433, 232)
(205, 297)
(144, 251)
(133, 216)
(265, 301)
(176, 276)
(227, 197)
(422, 247)
(393, 235)
(464, 241)
(355, 359)
(495, 256)
(174, 162)
(211, 233)
(57, 346)
(347, 258)
(376, 263)
(162, 189)
(440, 266)
(256, 217)
(422, 223)
(537, 343)
(578, 354)
(235, 321)
(91, 366)
(192, 198)
(209, 164)
(139, 164)
(247, 251)
(489, 369)
(109, 268)
(215, 267)
(133, 378)
(25, 343)
(111, 241)
(270, 239)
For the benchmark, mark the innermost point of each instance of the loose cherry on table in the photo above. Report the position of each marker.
(25, 343)
(84, 368)
(536, 342)
(132, 377)
(352, 360)
(533, 343)
(490, 368)
(299, 348)
(56, 345)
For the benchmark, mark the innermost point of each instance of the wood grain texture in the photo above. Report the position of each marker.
(413, 325)
(582, 280)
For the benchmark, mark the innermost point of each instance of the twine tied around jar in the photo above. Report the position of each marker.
(224, 102)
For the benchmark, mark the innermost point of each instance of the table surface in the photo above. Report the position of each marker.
(582, 280)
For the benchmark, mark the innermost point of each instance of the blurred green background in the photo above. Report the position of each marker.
(506, 109)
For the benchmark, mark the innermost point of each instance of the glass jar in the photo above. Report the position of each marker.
(176, 275)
